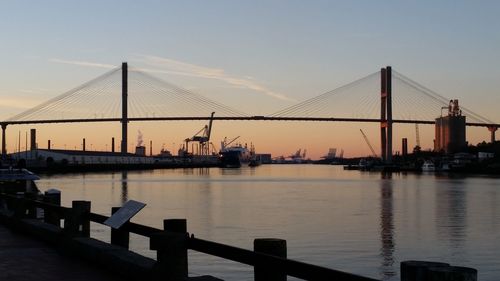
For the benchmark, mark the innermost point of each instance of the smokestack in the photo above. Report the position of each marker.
(404, 147)
(33, 139)
(48, 144)
(83, 144)
(113, 144)
(150, 148)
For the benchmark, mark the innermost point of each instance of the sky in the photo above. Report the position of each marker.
(255, 56)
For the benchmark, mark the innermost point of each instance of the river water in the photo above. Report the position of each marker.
(359, 222)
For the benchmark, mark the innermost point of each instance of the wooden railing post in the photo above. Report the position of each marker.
(171, 247)
(274, 247)
(31, 208)
(77, 221)
(19, 205)
(119, 237)
(52, 196)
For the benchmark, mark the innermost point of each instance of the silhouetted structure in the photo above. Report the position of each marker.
(386, 114)
(167, 102)
(404, 147)
(450, 130)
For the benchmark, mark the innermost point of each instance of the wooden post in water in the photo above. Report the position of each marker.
(274, 247)
(171, 247)
(418, 270)
(77, 222)
(451, 273)
(52, 196)
(119, 237)
(435, 271)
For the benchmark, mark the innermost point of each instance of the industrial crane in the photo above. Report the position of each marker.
(202, 137)
(225, 143)
(417, 147)
(368, 143)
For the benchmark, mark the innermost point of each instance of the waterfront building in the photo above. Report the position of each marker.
(140, 150)
(42, 157)
(450, 130)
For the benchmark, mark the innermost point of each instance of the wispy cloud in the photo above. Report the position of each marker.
(19, 103)
(176, 67)
(34, 91)
(82, 63)
(171, 66)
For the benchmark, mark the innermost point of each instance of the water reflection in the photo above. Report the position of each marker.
(451, 215)
(124, 194)
(204, 202)
(230, 171)
(387, 269)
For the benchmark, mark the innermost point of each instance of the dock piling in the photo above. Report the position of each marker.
(452, 273)
(52, 196)
(274, 247)
(77, 222)
(435, 271)
(19, 206)
(417, 270)
(31, 212)
(171, 247)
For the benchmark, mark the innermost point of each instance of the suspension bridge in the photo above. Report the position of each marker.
(128, 95)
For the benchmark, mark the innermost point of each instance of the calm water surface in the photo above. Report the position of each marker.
(353, 221)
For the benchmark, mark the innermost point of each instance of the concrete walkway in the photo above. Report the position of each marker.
(23, 258)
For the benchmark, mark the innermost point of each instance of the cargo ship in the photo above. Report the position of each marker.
(234, 156)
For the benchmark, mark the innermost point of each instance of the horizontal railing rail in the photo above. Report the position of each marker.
(135, 228)
(173, 241)
(290, 267)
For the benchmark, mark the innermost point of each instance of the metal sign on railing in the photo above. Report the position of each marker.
(124, 214)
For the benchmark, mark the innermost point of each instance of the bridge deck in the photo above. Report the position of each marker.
(235, 118)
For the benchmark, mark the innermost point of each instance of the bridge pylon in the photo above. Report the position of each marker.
(492, 130)
(124, 119)
(386, 114)
(4, 144)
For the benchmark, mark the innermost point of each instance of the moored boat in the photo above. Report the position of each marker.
(17, 180)
(428, 166)
(255, 161)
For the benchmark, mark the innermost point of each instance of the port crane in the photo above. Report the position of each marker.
(368, 143)
(225, 143)
(417, 147)
(298, 157)
(202, 137)
(332, 153)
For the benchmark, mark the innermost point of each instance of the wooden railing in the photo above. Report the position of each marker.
(173, 242)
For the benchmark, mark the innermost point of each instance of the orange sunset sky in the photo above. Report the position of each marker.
(258, 57)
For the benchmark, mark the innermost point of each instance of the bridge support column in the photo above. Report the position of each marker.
(492, 131)
(124, 120)
(386, 114)
(4, 144)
